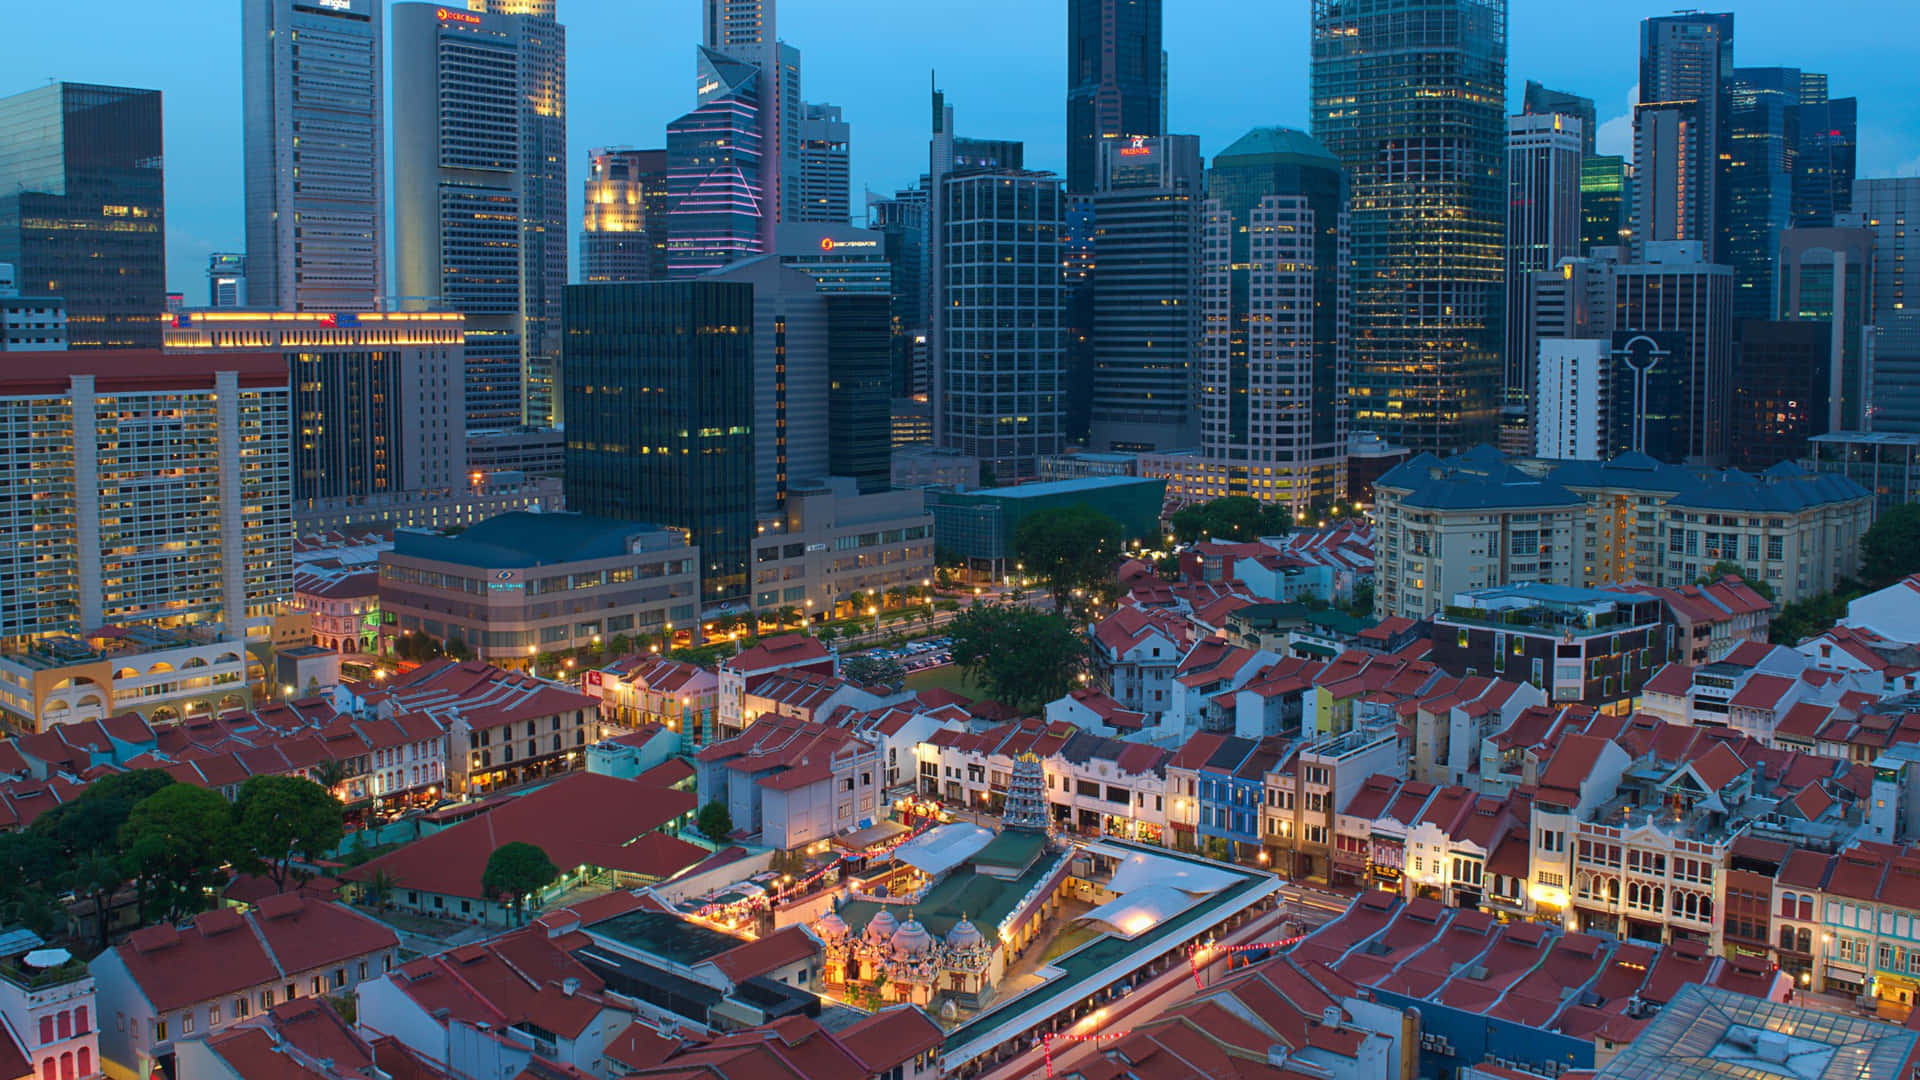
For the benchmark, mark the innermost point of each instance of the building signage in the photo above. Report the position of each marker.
(828, 243)
(1137, 148)
(447, 16)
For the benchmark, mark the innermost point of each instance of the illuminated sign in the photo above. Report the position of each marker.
(456, 16)
(337, 5)
(1138, 148)
(828, 243)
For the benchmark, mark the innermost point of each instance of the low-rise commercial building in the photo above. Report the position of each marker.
(521, 584)
(793, 782)
(159, 674)
(1593, 646)
(831, 542)
(503, 727)
(648, 688)
(49, 1018)
(979, 526)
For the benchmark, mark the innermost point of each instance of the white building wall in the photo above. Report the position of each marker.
(1570, 375)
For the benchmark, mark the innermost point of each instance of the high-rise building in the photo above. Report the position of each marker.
(859, 385)
(1002, 317)
(1823, 163)
(1543, 227)
(1147, 212)
(790, 378)
(1680, 129)
(377, 402)
(30, 323)
(1782, 391)
(83, 208)
(902, 224)
(716, 167)
(1275, 301)
(745, 32)
(1826, 276)
(824, 177)
(1076, 277)
(1606, 202)
(227, 280)
(480, 199)
(312, 76)
(1539, 101)
(1763, 138)
(1890, 208)
(1410, 96)
(1572, 380)
(623, 231)
(660, 414)
(161, 490)
(1672, 376)
(1116, 80)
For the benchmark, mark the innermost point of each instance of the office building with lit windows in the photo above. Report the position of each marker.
(1145, 323)
(623, 230)
(1543, 227)
(1764, 116)
(1002, 321)
(83, 208)
(378, 397)
(480, 190)
(1410, 97)
(715, 171)
(138, 487)
(1672, 375)
(312, 81)
(1275, 303)
(1681, 129)
(1606, 201)
(824, 178)
(1116, 80)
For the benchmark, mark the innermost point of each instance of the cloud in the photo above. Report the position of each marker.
(1615, 136)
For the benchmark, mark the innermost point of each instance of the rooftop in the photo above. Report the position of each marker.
(1064, 487)
(1708, 1032)
(667, 936)
(524, 539)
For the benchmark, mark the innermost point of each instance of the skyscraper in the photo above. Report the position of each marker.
(480, 199)
(623, 233)
(1410, 96)
(1606, 201)
(1826, 276)
(716, 166)
(83, 208)
(824, 178)
(745, 31)
(1146, 293)
(1823, 163)
(316, 175)
(1115, 79)
(1002, 311)
(1680, 129)
(1890, 207)
(1672, 376)
(1538, 100)
(227, 280)
(1543, 227)
(660, 414)
(1275, 299)
(1763, 138)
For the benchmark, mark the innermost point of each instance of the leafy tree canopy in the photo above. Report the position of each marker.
(1071, 547)
(1890, 550)
(175, 842)
(715, 822)
(869, 670)
(280, 819)
(1024, 658)
(1726, 568)
(516, 870)
(1232, 519)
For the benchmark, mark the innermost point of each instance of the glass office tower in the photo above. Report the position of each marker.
(83, 208)
(659, 405)
(1115, 80)
(1410, 96)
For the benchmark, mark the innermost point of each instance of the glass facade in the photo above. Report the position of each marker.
(1410, 96)
(659, 405)
(714, 181)
(83, 211)
(1763, 127)
(347, 417)
(1780, 391)
(1115, 82)
(623, 234)
(1823, 164)
(1606, 201)
(859, 404)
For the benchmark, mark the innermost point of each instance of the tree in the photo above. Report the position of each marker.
(97, 877)
(828, 632)
(1729, 568)
(279, 819)
(515, 871)
(92, 822)
(330, 774)
(174, 843)
(1232, 519)
(380, 886)
(1069, 548)
(619, 645)
(715, 822)
(1024, 658)
(1890, 550)
(789, 616)
(28, 862)
(869, 670)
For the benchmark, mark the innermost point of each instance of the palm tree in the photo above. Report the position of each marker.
(789, 616)
(380, 886)
(330, 774)
(895, 597)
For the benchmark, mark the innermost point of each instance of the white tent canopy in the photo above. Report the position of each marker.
(1140, 910)
(1138, 869)
(937, 851)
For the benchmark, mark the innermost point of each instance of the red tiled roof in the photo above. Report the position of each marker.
(891, 1037)
(781, 650)
(224, 951)
(581, 819)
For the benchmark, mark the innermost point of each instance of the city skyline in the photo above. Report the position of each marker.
(877, 70)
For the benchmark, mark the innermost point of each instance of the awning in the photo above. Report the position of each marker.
(939, 850)
(1138, 869)
(871, 836)
(1139, 911)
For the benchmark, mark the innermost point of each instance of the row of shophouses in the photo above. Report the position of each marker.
(1764, 810)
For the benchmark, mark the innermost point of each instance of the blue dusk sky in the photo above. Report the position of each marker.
(1234, 64)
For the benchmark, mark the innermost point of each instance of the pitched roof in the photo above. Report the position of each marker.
(224, 951)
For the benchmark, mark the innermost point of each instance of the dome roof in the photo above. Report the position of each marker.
(965, 935)
(831, 926)
(880, 928)
(911, 941)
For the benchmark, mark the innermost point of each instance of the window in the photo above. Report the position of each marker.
(239, 1008)
(186, 1022)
